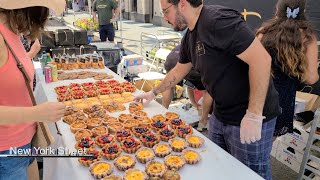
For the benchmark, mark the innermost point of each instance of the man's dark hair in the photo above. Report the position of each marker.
(194, 3)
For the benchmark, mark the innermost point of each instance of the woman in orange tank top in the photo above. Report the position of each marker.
(18, 115)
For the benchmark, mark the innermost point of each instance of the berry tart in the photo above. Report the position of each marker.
(124, 117)
(135, 106)
(194, 141)
(100, 130)
(62, 98)
(171, 115)
(104, 91)
(123, 134)
(78, 125)
(135, 174)
(166, 134)
(130, 88)
(190, 156)
(100, 169)
(73, 85)
(78, 94)
(87, 144)
(158, 117)
(91, 93)
(138, 131)
(95, 122)
(130, 145)
(126, 83)
(86, 161)
(81, 133)
(184, 130)
(155, 169)
(174, 161)
(149, 139)
(99, 83)
(175, 123)
(124, 162)
(87, 84)
(144, 155)
(89, 88)
(61, 91)
(158, 125)
(178, 145)
(104, 140)
(111, 151)
(60, 88)
(117, 90)
(162, 150)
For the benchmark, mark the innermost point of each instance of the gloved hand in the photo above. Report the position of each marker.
(149, 96)
(250, 128)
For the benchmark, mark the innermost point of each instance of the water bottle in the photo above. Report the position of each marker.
(43, 61)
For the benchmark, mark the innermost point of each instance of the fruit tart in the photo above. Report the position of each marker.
(174, 161)
(158, 117)
(123, 134)
(81, 133)
(98, 114)
(61, 91)
(158, 125)
(89, 88)
(116, 84)
(190, 156)
(124, 117)
(108, 120)
(140, 114)
(112, 177)
(144, 155)
(184, 130)
(130, 88)
(135, 174)
(171, 115)
(75, 89)
(98, 83)
(91, 93)
(194, 141)
(178, 145)
(124, 162)
(86, 161)
(104, 91)
(117, 90)
(113, 107)
(94, 122)
(175, 123)
(87, 84)
(114, 127)
(78, 125)
(79, 116)
(100, 130)
(149, 139)
(126, 83)
(129, 124)
(87, 144)
(62, 98)
(145, 121)
(72, 85)
(130, 145)
(78, 94)
(100, 169)
(92, 109)
(162, 150)
(155, 169)
(138, 131)
(71, 110)
(166, 134)
(135, 106)
(104, 140)
(60, 88)
(111, 151)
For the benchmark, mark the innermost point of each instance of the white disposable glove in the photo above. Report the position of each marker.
(250, 128)
(148, 97)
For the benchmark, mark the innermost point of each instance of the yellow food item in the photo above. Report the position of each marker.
(101, 168)
(125, 160)
(178, 143)
(145, 154)
(135, 175)
(174, 160)
(194, 139)
(162, 148)
(191, 155)
(156, 168)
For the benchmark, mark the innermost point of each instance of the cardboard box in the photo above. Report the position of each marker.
(132, 60)
(291, 152)
(287, 160)
(293, 142)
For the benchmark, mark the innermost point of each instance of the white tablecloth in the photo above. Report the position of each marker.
(215, 162)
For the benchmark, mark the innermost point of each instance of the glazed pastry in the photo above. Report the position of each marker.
(178, 145)
(114, 127)
(108, 120)
(113, 107)
(158, 117)
(123, 134)
(130, 145)
(86, 143)
(174, 161)
(111, 151)
(139, 114)
(78, 125)
(98, 114)
(190, 156)
(138, 131)
(135, 106)
(124, 117)
(171, 115)
(92, 109)
(149, 139)
(158, 125)
(175, 123)
(144, 155)
(194, 141)
(81, 133)
(135, 174)
(100, 130)
(86, 161)
(145, 121)
(184, 130)
(129, 124)
(100, 169)
(95, 122)
(124, 162)
(166, 134)
(79, 116)
(71, 110)
(162, 150)
(104, 140)
(155, 169)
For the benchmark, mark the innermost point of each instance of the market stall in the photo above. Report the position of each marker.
(215, 163)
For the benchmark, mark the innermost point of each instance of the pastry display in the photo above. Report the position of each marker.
(117, 90)
(100, 169)
(162, 150)
(114, 127)
(104, 140)
(194, 141)
(124, 162)
(78, 125)
(183, 131)
(130, 145)
(129, 124)
(158, 117)
(166, 134)
(130, 88)
(86, 143)
(135, 106)
(138, 131)
(95, 122)
(123, 134)
(81, 133)
(112, 177)
(111, 151)
(100, 130)
(124, 117)
(155, 169)
(135, 174)
(86, 161)
(174, 123)
(158, 125)
(144, 155)
(178, 145)
(171, 115)
(190, 156)
(174, 161)
(140, 114)
(149, 139)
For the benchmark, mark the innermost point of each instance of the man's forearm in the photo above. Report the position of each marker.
(191, 95)
(207, 105)
(167, 98)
